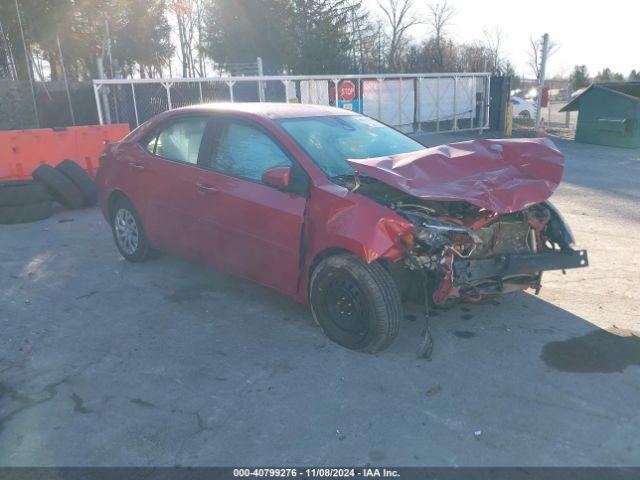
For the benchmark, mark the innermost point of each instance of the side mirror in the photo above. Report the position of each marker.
(277, 177)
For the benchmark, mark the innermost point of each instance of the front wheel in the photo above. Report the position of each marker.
(356, 304)
(128, 232)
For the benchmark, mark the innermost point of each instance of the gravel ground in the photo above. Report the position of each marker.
(103, 362)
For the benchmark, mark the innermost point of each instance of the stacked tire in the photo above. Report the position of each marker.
(30, 200)
(24, 201)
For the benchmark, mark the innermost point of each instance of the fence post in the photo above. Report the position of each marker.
(261, 95)
(438, 104)
(418, 113)
(105, 95)
(135, 105)
(380, 82)
(455, 103)
(167, 87)
(487, 101)
(286, 90)
(336, 81)
(96, 87)
(200, 89)
(230, 85)
(481, 117)
(400, 101)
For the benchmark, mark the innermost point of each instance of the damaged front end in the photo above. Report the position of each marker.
(483, 223)
(469, 252)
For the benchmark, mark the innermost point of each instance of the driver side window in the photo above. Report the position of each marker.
(246, 152)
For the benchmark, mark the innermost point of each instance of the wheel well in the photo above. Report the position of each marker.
(114, 198)
(326, 254)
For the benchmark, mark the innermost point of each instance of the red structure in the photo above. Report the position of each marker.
(22, 151)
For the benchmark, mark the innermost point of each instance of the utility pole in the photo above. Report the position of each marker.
(27, 58)
(543, 64)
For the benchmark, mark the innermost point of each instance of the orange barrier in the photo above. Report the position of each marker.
(21, 151)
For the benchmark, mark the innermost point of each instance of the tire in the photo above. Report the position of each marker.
(125, 219)
(80, 179)
(22, 192)
(60, 187)
(356, 304)
(26, 213)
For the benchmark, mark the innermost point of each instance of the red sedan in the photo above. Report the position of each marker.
(336, 209)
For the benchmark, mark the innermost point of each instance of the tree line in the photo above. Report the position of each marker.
(580, 77)
(195, 38)
(191, 38)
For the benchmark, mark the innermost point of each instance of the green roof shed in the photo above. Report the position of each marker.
(609, 114)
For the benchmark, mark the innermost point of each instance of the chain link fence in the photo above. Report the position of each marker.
(524, 103)
(424, 102)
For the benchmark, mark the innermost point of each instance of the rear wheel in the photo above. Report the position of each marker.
(356, 304)
(128, 232)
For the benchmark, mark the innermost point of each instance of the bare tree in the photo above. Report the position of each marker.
(439, 19)
(399, 18)
(493, 42)
(363, 38)
(535, 53)
(188, 14)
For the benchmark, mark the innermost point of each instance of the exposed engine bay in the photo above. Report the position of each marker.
(466, 252)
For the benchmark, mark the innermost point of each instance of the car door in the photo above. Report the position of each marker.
(249, 228)
(168, 177)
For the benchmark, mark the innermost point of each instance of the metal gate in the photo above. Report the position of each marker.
(443, 102)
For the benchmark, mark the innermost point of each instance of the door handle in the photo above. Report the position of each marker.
(206, 188)
(136, 166)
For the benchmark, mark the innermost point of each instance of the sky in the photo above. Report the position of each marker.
(595, 34)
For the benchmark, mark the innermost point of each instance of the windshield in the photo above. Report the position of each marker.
(331, 140)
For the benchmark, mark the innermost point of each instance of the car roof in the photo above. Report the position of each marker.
(268, 109)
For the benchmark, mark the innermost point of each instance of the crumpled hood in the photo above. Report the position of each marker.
(500, 175)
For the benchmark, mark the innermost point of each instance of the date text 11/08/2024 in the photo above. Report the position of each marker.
(316, 472)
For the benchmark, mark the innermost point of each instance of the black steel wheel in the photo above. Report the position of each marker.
(356, 304)
(346, 305)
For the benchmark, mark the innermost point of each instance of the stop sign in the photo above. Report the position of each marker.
(347, 90)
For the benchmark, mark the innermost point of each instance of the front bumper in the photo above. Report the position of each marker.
(470, 271)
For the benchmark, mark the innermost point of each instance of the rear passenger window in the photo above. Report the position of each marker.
(180, 140)
(246, 152)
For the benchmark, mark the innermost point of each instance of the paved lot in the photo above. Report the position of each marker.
(107, 363)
